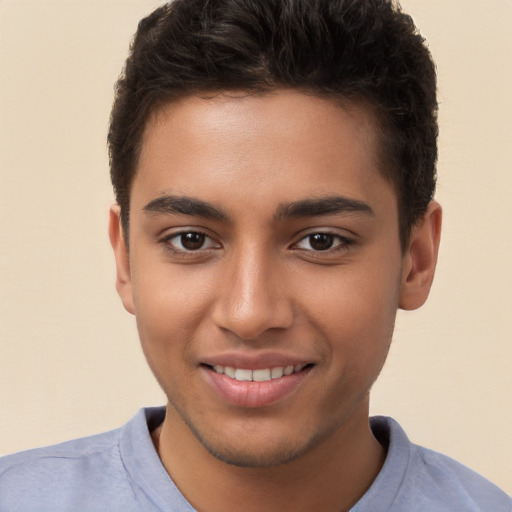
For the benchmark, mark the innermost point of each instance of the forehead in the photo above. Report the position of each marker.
(279, 114)
(286, 142)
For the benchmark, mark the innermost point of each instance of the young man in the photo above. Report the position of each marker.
(274, 168)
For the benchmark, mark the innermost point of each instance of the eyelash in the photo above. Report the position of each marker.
(343, 244)
(182, 251)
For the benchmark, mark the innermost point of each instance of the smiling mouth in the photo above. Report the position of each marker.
(260, 375)
(255, 387)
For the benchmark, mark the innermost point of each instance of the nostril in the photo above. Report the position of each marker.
(248, 319)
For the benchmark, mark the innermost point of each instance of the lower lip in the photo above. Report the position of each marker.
(254, 394)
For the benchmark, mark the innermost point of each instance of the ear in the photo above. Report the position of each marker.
(122, 257)
(419, 262)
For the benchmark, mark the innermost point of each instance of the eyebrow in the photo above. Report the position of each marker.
(310, 207)
(185, 206)
(316, 207)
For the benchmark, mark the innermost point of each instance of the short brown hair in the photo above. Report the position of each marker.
(348, 50)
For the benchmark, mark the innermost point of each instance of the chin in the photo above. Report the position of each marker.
(253, 451)
(242, 457)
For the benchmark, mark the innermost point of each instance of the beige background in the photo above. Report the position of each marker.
(70, 363)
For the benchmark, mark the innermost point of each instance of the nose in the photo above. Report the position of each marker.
(253, 297)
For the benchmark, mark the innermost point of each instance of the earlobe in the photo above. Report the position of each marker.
(420, 259)
(122, 258)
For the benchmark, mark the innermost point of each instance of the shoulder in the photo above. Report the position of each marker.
(92, 473)
(416, 478)
(437, 475)
(71, 453)
(48, 477)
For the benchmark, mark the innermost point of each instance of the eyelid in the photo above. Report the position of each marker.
(166, 241)
(344, 241)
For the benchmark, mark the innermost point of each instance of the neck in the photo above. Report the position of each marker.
(332, 476)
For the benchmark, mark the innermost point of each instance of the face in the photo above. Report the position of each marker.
(264, 269)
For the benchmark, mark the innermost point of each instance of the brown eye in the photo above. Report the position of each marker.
(321, 241)
(192, 241)
(189, 242)
(324, 242)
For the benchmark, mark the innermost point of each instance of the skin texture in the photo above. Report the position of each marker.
(255, 290)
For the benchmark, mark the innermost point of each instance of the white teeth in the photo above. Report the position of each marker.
(229, 371)
(241, 374)
(277, 373)
(262, 375)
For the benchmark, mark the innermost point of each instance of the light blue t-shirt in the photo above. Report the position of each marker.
(119, 471)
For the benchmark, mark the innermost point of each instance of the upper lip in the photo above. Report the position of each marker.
(255, 361)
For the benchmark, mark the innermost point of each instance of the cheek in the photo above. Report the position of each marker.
(356, 313)
(169, 307)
